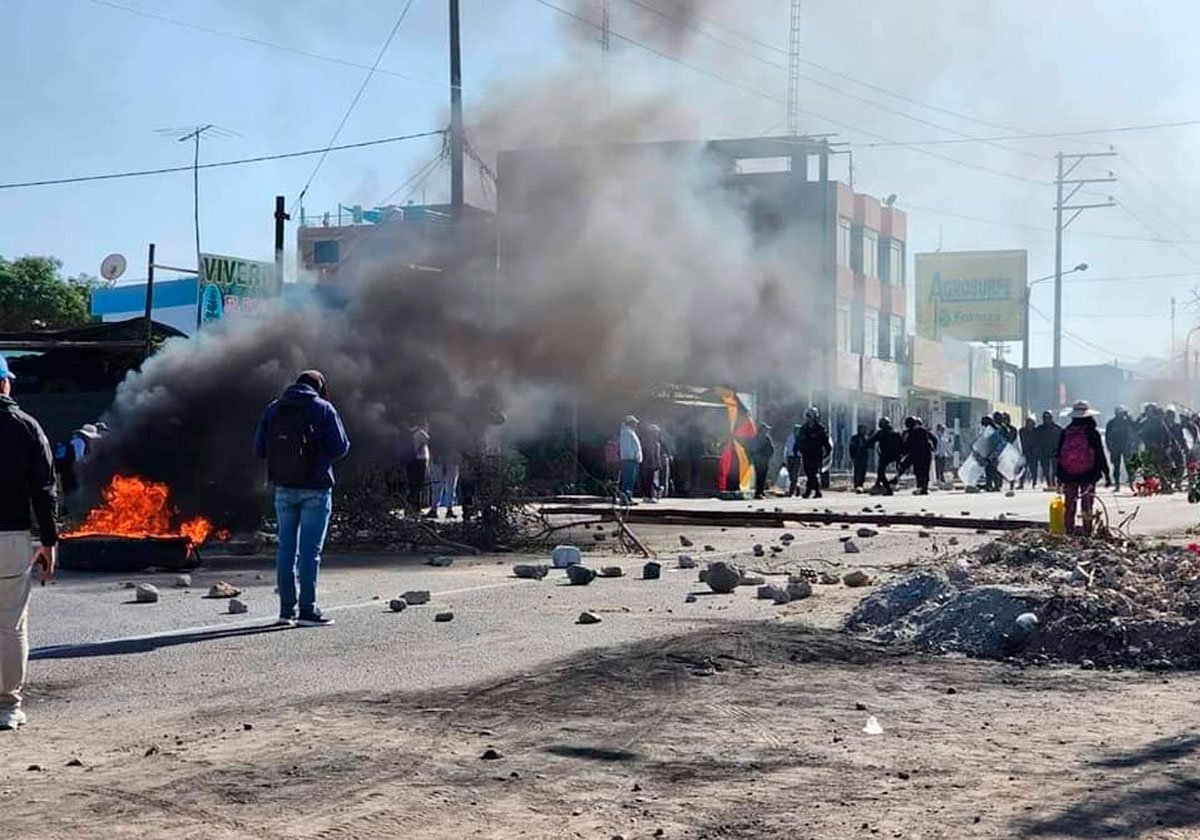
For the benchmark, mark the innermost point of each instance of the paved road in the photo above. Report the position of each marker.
(99, 654)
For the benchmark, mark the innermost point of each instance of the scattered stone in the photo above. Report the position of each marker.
(685, 541)
(182, 582)
(129, 585)
(751, 580)
(440, 560)
(845, 526)
(34, 768)
(237, 607)
(722, 577)
(952, 690)
(223, 589)
(246, 727)
(829, 579)
(151, 750)
(1009, 494)
(902, 776)
(860, 707)
(686, 562)
(787, 538)
(587, 617)
(850, 547)
(601, 537)
(759, 551)
(530, 571)
(690, 599)
(959, 572)
(965, 512)
(775, 549)
(868, 510)
(490, 755)
(444, 617)
(580, 575)
(709, 548)
(866, 533)
(74, 762)
(952, 541)
(652, 571)
(924, 534)
(415, 597)
(397, 605)
(565, 556)
(799, 588)
(856, 578)
(981, 530)
(147, 593)
(611, 572)
(971, 489)
(1087, 665)
(771, 592)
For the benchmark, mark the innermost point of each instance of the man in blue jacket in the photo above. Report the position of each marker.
(300, 436)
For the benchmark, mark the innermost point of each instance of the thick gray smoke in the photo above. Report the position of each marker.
(619, 272)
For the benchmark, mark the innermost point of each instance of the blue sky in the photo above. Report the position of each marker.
(89, 85)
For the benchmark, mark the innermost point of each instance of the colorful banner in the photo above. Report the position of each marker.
(232, 285)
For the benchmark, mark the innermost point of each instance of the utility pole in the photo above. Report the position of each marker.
(195, 137)
(150, 299)
(456, 117)
(1060, 204)
(281, 216)
(793, 99)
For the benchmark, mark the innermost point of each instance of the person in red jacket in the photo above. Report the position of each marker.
(1079, 462)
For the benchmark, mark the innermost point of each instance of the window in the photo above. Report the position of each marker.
(843, 327)
(895, 263)
(870, 253)
(325, 252)
(843, 243)
(1009, 388)
(896, 336)
(870, 332)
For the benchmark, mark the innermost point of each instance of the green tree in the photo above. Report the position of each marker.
(34, 295)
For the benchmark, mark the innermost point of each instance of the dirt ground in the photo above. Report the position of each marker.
(740, 730)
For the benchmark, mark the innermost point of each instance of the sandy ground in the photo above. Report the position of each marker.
(744, 722)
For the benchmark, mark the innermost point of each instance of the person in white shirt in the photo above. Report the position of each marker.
(630, 446)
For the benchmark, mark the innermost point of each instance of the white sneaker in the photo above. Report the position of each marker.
(11, 719)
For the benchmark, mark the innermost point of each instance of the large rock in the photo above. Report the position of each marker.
(866, 533)
(237, 607)
(685, 541)
(612, 572)
(580, 575)
(587, 618)
(850, 547)
(414, 597)
(397, 605)
(566, 555)
(722, 577)
(686, 562)
(652, 571)
(146, 593)
(798, 588)
(182, 581)
(443, 617)
(856, 578)
(530, 571)
(771, 592)
(223, 589)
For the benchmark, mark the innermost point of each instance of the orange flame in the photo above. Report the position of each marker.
(134, 507)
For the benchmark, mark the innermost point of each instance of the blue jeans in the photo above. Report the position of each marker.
(629, 473)
(303, 517)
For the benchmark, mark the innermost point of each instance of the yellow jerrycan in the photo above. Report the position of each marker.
(1058, 515)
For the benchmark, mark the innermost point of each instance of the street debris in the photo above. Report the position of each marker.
(566, 555)
(612, 572)
(146, 593)
(866, 533)
(771, 592)
(223, 589)
(1040, 598)
(586, 617)
(443, 617)
(237, 607)
(652, 571)
(416, 597)
(722, 577)
(758, 550)
(580, 575)
(397, 605)
(182, 582)
(857, 577)
(686, 562)
(686, 542)
(873, 727)
(850, 547)
(799, 588)
(530, 571)
(490, 755)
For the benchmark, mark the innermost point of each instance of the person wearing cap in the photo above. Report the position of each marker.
(1079, 463)
(26, 482)
(1121, 436)
(301, 435)
(764, 451)
(630, 450)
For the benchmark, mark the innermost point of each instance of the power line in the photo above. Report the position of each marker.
(1104, 352)
(217, 164)
(772, 98)
(1042, 135)
(354, 102)
(237, 36)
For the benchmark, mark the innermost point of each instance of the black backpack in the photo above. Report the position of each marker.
(292, 445)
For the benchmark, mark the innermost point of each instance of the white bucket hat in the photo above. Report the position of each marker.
(1081, 409)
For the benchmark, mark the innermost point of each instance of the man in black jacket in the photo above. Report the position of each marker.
(1121, 436)
(1048, 434)
(26, 481)
(814, 447)
(890, 448)
(764, 451)
(860, 452)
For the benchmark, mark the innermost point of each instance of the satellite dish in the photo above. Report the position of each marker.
(112, 267)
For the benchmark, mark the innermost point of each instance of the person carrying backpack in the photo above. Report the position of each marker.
(1079, 463)
(300, 435)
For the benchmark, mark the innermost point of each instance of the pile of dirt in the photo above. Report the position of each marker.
(1131, 603)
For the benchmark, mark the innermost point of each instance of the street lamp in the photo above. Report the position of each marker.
(1025, 335)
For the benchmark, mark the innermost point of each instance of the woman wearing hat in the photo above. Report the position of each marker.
(1079, 462)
